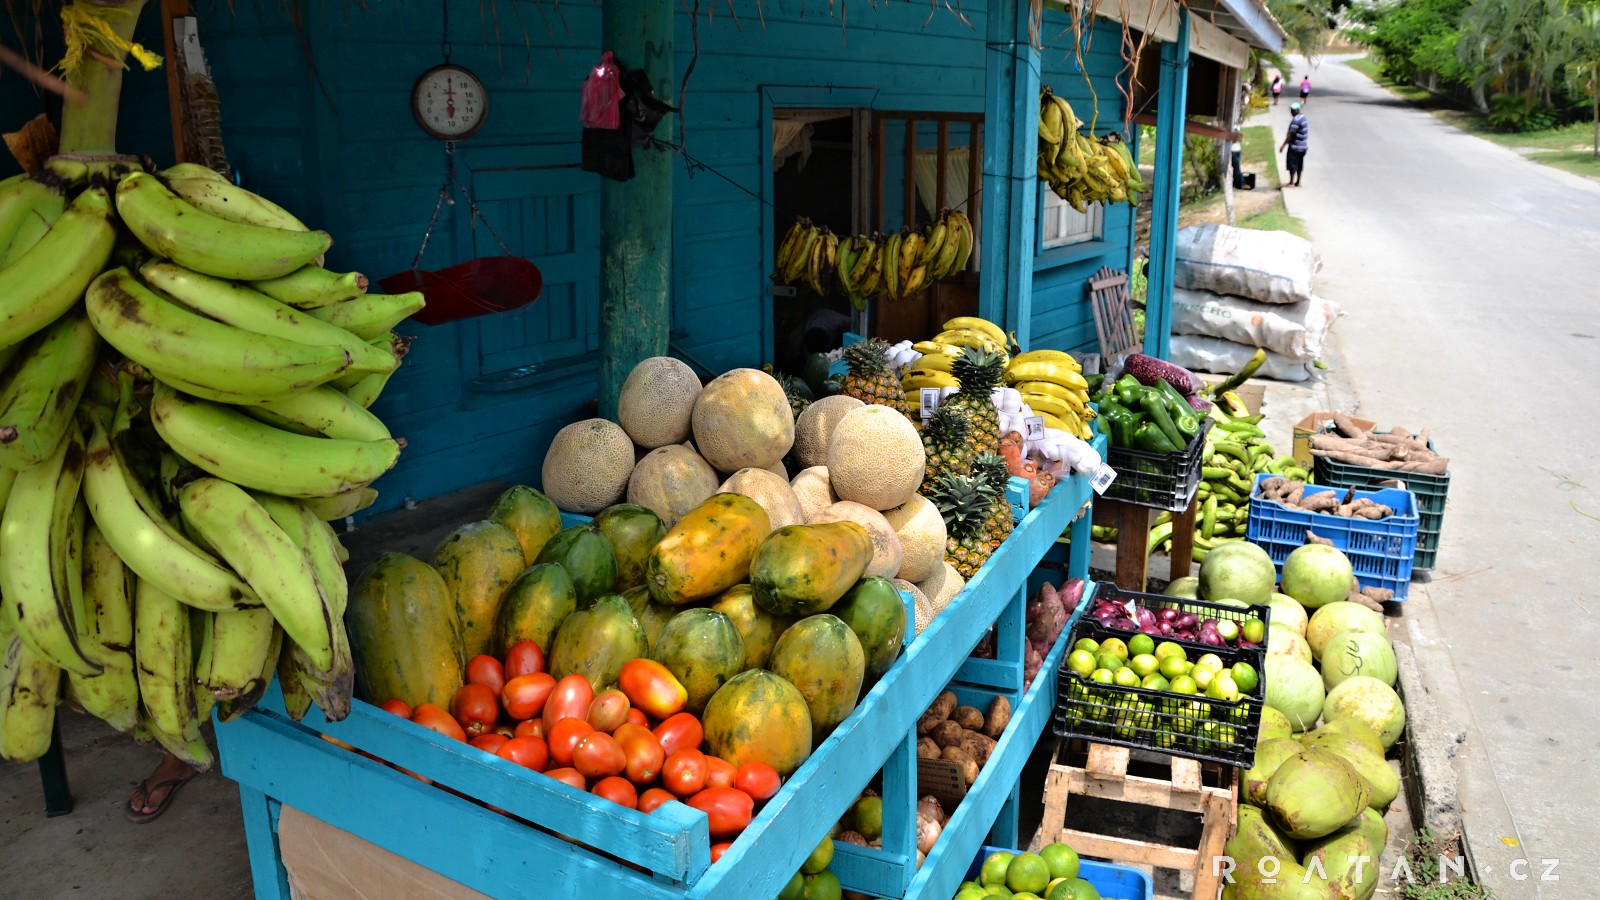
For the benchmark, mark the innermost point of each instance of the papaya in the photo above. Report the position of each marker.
(801, 570)
(595, 642)
(404, 633)
(478, 561)
(823, 658)
(707, 551)
(533, 607)
(703, 649)
(759, 717)
(875, 612)
(632, 531)
(530, 515)
(759, 628)
(652, 615)
(588, 558)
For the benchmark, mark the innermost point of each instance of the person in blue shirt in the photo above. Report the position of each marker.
(1295, 141)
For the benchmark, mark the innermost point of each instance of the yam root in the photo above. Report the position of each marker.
(947, 733)
(1313, 538)
(1364, 600)
(969, 717)
(943, 705)
(999, 717)
(1323, 502)
(1347, 427)
(1382, 595)
(927, 748)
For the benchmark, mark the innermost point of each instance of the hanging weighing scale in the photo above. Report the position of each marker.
(450, 104)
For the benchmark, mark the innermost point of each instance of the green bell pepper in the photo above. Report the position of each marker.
(1122, 423)
(1128, 390)
(1182, 413)
(1150, 438)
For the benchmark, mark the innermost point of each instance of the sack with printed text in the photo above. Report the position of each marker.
(1265, 266)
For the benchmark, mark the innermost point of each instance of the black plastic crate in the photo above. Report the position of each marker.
(1165, 481)
(1431, 490)
(1188, 725)
(1156, 602)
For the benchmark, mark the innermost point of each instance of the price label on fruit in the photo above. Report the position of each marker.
(1035, 427)
(930, 402)
(1102, 478)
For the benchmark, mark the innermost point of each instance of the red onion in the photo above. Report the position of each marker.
(1124, 623)
(1186, 620)
(1211, 639)
(1168, 614)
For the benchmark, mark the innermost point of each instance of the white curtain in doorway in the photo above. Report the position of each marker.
(956, 187)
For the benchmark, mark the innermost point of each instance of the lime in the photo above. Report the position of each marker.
(1228, 630)
(1170, 648)
(1141, 643)
(1063, 861)
(1026, 895)
(999, 890)
(823, 885)
(819, 858)
(1222, 688)
(1107, 660)
(994, 868)
(1202, 676)
(866, 817)
(1154, 682)
(972, 891)
(1144, 664)
(1211, 661)
(1183, 684)
(1101, 675)
(1115, 645)
(1028, 872)
(1081, 663)
(1088, 645)
(795, 889)
(1173, 666)
(1076, 889)
(1254, 630)
(1245, 677)
(1125, 678)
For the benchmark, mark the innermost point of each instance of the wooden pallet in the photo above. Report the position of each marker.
(1100, 770)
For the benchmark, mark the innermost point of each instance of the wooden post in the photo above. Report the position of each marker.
(170, 11)
(1010, 170)
(1170, 116)
(636, 215)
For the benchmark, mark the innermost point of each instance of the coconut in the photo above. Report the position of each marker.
(813, 431)
(656, 401)
(1283, 641)
(1270, 754)
(1370, 701)
(670, 481)
(1315, 793)
(1274, 724)
(587, 466)
(812, 489)
(886, 552)
(1351, 653)
(1349, 857)
(1294, 688)
(1288, 612)
(771, 492)
(922, 536)
(1239, 570)
(1318, 574)
(1381, 778)
(1342, 615)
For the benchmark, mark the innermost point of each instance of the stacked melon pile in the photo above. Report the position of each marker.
(676, 444)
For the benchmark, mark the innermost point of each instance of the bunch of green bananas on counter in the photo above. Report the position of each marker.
(183, 409)
(873, 266)
(1080, 169)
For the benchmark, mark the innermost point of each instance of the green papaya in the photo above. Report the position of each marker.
(801, 570)
(823, 658)
(759, 628)
(533, 607)
(759, 717)
(595, 642)
(653, 616)
(531, 516)
(404, 633)
(703, 649)
(632, 530)
(587, 556)
(875, 611)
(478, 561)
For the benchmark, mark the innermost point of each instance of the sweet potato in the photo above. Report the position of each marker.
(927, 748)
(943, 706)
(999, 717)
(947, 733)
(968, 717)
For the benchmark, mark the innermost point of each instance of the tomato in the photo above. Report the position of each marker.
(569, 776)
(617, 790)
(609, 709)
(527, 695)
(529, 728)
(684, 772)
(652, 798)
(728, 809)
(476, 707)
(757, 779)
(597, 755)
(528, 752)
(644, 756)
(564, 737)
(637, 717)
(488, 742)
(524, 658)
(487, 671)
(652, 687)
(718, 849)
(398, 707)
(680, 732)
(436, 718)
(719, 772)
(504, 729)
(570, 697)
(628, 728)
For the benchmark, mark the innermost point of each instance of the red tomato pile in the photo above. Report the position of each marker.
(633, 744)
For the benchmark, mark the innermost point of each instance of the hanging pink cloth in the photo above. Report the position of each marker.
(602, 95)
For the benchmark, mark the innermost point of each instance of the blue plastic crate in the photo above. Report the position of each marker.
(1380, 550)
(1113, 881)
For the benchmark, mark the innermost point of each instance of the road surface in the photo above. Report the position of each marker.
(1472, 281)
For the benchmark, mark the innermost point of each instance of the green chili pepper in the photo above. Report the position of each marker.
(1150, 438)
(1155, 406)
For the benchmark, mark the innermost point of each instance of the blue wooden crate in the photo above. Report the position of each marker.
(626, 853)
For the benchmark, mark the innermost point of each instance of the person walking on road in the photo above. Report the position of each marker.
(1277, 88)
(1305, 88)
(1295, 140)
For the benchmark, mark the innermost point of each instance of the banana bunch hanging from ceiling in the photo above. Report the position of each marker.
(1080, 169)
(874, 266)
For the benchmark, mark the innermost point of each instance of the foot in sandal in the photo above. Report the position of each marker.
(151, 797)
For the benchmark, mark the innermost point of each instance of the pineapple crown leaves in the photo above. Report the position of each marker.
(979, 371)
(962, 500)
(868, 357)
(991, 468)
(948, 424)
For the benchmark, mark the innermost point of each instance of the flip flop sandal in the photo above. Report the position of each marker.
(172, 786)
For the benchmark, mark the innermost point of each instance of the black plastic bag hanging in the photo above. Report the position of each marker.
(641, 111)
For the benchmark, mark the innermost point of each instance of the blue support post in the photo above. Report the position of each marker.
(1010, 170)
(1170, 116)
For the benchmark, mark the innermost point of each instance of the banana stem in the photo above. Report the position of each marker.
(91, 126)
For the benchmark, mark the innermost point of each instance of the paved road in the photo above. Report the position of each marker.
(1472, 282)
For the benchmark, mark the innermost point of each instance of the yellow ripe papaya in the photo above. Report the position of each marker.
(405, 634)
(707, 551)
(801, 570)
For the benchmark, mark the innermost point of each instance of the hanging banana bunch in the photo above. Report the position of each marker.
(874, 266)
(1080, 169)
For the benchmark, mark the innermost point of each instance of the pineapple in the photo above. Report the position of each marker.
(872, 379)
(992, 469)
(947, 440)
(979, 372)
(795, 390)
(965, 502)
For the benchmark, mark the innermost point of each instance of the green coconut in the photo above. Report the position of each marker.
(1270, 754)
(1369, 701)
(1288, 612)
(1332, 618)
(1352, 653)
(1315, 793)
(1295, 689)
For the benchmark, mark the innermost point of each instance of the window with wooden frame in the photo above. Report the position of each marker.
(1060, 225)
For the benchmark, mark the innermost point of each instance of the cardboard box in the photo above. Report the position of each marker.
(1305, 428)
(328, 863)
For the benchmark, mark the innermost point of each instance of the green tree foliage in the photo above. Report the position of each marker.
(1415, 38)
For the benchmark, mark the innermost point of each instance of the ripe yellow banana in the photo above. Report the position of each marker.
(30, 688)
(106, 635)
(313, 287)
(1044, 403)
(164, 647)
(48, 279)
(1041, 370)
(974, 323)
(918, 380)
(934, 362)
(1060, 357)
(933, 242)
(968, 239)
(891, 265)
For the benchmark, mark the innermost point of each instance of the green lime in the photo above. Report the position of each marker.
(1210, 660)
(1125, 678)
(1173, 666)
(1222, 688)
(971, 891)
(795, 889)
(823, 885)
(1076, 889)
(1088, 645)
(1170, 648)
(1244, 675)
(1080, 663)
(1141, 643)
(1254, 630)
(1115, 645)
(1154, 682)
(1183, 684)
(1063, 860)
(1228, 630)
(1028, 872)
(819, 858)
(1202, 676)
(999, 890)
(1144, 664)
(1108, 660)
(994, 868)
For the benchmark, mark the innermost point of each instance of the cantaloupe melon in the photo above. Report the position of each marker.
(919, 603)
(922, 536)
(742, 420)
(886, 551)
(670, 481)
(814, 429)
(942, 586)
(587, 466)
(812, 489)
(769, 490)
(657, 401)
(875, 458)
(780, 470)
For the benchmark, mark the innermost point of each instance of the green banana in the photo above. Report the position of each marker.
(296, 688)
(106, 635)
(231, 445)
(313, 287)
(172, 227)
(30, 688)
(47, 280)
(231, 708)
(188, 170)
(164, 646)
(200, 623)
(330, 687)
(219, 360)
(371, 315)
(332, 509)
(322, 412)
(30, 222)
(279, 571)
(366, 390)
(1052, 127)
(228, 201)
(42, 390)
(239, 306)
(238, 648)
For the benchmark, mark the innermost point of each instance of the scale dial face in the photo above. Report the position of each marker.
(449, 103)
